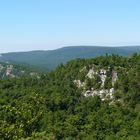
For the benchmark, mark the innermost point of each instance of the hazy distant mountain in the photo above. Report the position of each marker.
(51, 59)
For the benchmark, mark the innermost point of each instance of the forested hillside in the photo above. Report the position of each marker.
(85, 99)
(51, 59)
(13, 70)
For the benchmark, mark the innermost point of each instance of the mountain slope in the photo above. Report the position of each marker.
(75, 102)
(11, 70)
(51, 59)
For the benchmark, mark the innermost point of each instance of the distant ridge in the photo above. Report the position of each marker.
(52, 58)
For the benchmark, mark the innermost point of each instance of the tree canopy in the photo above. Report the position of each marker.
(52, 106)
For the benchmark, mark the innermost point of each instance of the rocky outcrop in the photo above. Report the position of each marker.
(9, 70)
(79, 83)
(103, 75)
(102, 92)
(114, 77)
(92, 72)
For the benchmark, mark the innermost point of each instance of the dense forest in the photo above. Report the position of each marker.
(50, 59)
(15, 70)
(85, 99)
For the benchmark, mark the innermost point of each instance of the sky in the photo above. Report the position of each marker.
(49, 24)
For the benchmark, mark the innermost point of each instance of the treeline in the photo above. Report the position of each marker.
(51, 107)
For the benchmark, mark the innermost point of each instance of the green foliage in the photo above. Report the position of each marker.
(51, 59)
(52, 107)
(108, 83)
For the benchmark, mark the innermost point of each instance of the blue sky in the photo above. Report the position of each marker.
(49, 24)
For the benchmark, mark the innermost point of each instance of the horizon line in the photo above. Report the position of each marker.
(100, 46)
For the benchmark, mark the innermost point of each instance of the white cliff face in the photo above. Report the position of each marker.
(79, 83)
(114, 77)
(103, 93)
(92, 72)
(111, 92)
(103, 75)
(9, 70)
